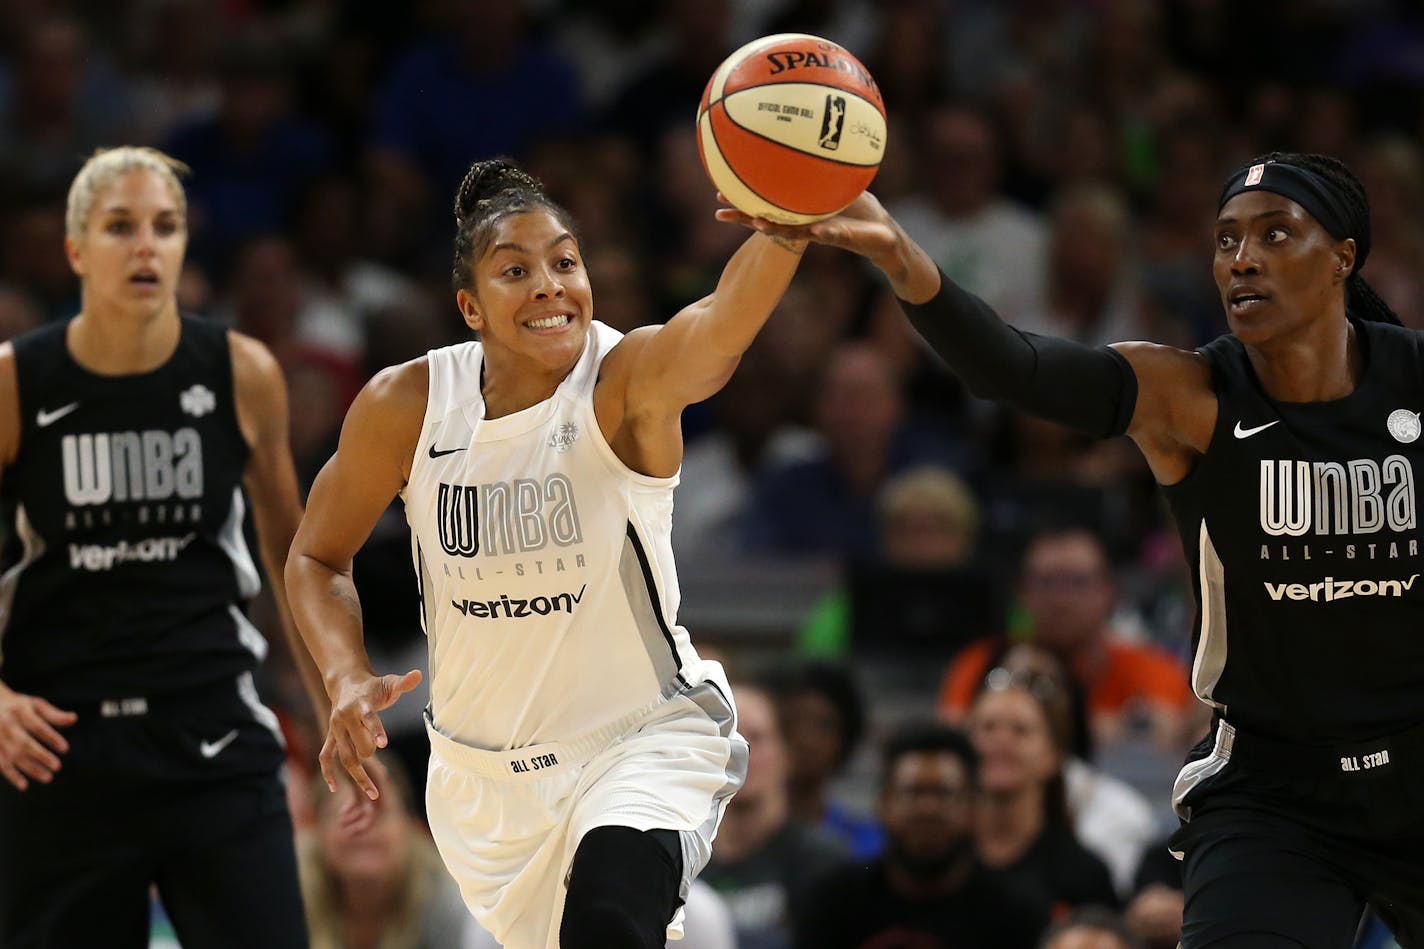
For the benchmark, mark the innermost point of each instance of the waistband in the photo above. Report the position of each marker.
(1380, 757)
(533, 762)
(221, 693)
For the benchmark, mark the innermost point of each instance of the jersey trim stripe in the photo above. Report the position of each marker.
(648, 613)
(1194, 773)
(231, 540)
(34, 548)
(1210, 659)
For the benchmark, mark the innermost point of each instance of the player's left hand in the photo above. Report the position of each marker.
(354, 731)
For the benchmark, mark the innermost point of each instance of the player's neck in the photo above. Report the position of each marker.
(114, 343)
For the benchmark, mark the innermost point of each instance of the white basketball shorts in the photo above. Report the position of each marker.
(507, 822)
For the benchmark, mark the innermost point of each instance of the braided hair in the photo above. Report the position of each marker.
(491, 191)
(1360, 298)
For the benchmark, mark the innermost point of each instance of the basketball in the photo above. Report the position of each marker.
(791, 128)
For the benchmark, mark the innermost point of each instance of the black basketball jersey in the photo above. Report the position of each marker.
(1301, 525)
(125, 561)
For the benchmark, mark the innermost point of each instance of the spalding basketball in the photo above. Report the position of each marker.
(791, 128)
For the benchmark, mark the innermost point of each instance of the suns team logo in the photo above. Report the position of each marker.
(1403, 425)
(563, 437)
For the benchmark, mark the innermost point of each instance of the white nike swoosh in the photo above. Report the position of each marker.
(1248, 432)
(211, 749)
(49, 418)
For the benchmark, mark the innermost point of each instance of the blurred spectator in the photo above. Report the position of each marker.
(271, 297)
(32, 255)
(18, 312)
(750, 435)
(664, 94)
(379, 887)
(907, 60)
(1392, 169)
(963, 223)
(1176, 228)
(1068, 594)
(927, 520)
(1110, 817)
(1090, 929)
(611, 42)
(177, 82)
(825, 505)
(329, 229)
(482, 84)
(1024, 832)
(929, 888)
(851, 23)
(1090, 290)
(1154, 914)
(251, 159)
(66, 101)
(822, 717)
(766, 860)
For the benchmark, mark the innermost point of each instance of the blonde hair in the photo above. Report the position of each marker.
(107, 164)
(936, 488)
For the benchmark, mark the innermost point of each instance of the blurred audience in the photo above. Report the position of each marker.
(381, 886)
(1110, 817)
(1069, 595)
(1090, 928)
(822, 717)
(1023, 828)
(825, 504)
(928, 889)
(767, 859)
(927, 521)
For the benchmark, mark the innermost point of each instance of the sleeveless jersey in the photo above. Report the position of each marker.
(1301, 525)
(124, 558)
(545, 569)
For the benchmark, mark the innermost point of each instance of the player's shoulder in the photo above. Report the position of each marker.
(401, 386)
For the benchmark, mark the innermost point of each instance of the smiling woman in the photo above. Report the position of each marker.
(582, 753)
(133, 440)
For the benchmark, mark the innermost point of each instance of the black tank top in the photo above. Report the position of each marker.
(1301, 525)
(125, 559)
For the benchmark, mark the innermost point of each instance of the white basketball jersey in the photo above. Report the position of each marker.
(545, 565)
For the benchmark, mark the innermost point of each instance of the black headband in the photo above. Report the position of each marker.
(1321, 200)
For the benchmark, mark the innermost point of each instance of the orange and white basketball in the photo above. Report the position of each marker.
(791, 128)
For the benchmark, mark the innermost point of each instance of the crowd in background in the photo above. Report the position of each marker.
(1060, 158)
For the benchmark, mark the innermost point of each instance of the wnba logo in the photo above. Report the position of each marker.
(1358, 497)
(132, 466)
(833, 122)
(518, 516)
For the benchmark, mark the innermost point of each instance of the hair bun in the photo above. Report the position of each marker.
(488, 179)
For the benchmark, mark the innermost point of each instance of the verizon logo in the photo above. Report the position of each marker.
(508, 607)
(99, 557)
(1330, 589)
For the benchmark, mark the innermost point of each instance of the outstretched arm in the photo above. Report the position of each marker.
(656, 372)
(371, 463)
(1158, 395)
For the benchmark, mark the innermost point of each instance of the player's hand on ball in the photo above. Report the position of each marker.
(863, 227)
(30, 746)
(355, 730)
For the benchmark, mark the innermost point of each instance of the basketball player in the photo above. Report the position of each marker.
(582, 754)
(132, 742)
(1287, 450)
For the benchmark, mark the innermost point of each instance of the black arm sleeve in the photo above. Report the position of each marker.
(1093, 390)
